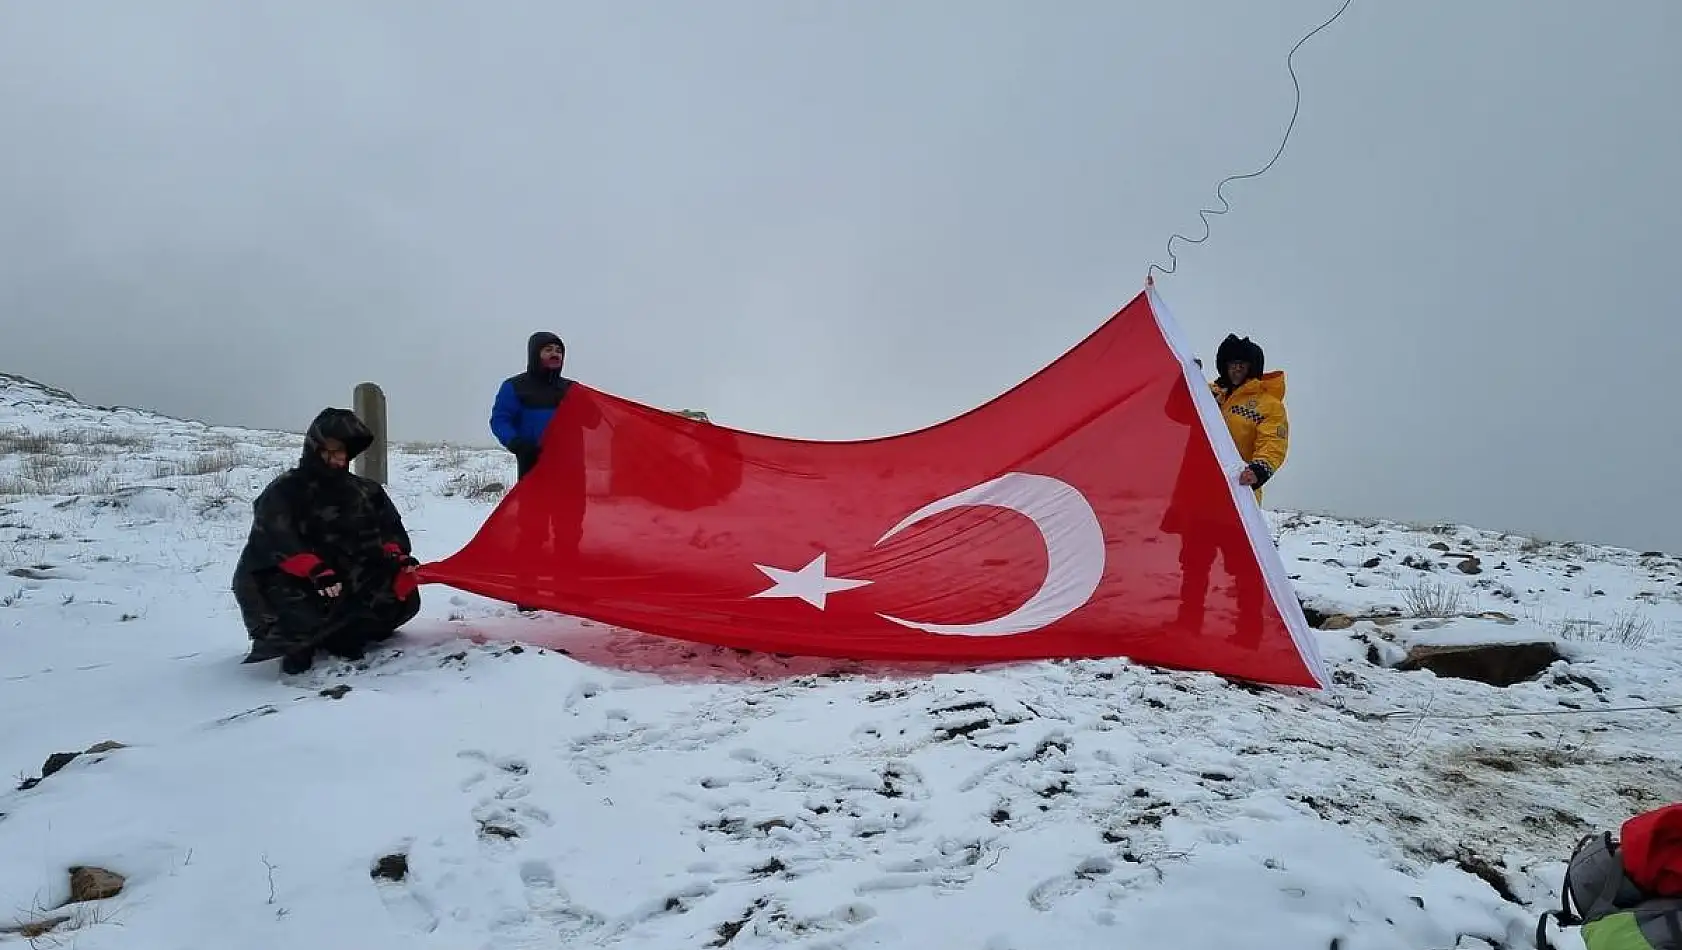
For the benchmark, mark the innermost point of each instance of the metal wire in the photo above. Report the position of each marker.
(1408, 714)
(1296, 108)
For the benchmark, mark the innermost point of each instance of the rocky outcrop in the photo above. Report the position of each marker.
(59, 760)
(1497, 664)
(94, 884)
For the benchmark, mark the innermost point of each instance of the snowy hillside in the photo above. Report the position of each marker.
(587, 787)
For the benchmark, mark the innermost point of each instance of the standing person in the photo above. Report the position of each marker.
(1252, 404)
(327, 562)
(551, 528)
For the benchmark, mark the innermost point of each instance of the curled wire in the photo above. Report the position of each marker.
(1296, 108)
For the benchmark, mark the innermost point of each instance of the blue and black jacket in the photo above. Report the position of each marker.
(525, 403)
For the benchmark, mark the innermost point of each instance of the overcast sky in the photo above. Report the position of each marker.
(838, 220)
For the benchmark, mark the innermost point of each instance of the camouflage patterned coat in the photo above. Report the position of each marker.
(312, 518)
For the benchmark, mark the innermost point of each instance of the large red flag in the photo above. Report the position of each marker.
(1077, 515)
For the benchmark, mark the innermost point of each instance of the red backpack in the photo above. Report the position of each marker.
(1625, 892)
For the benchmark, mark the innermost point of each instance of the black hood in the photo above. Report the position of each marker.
(1235, 347)
(341, 424)
(538, 341)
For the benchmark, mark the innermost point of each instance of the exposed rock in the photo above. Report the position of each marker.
(392, 867)
(1438, 546)
(336, 692)
(1470, 566)
(59, 760)
(1337, 622)
(1572, 679)
(56, 761)
(94, 884)
(41, 572)
(1372, 562)
(1498, 664)
(1481, 868)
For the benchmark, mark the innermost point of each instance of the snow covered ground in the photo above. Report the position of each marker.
(548, 782)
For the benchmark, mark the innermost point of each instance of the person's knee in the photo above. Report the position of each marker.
(392, 612)
(1197, 558)
(406, 609)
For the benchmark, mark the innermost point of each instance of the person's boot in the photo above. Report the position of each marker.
(348, 644)
(349, 649)
(297, 661)
(1249, 632)
(261, 650)
(1193, 594)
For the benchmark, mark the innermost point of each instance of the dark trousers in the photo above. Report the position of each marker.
(285, 615)
(548, 530)
(1198, 550)
(552, 528)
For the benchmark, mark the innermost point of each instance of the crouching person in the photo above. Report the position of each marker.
(327, 564)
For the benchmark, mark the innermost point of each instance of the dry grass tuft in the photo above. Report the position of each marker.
(212, 462)
(476, 486)
(19, 442)
(1627, 628)
(1433, 598)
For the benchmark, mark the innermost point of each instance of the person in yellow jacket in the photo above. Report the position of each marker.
(1252, 402)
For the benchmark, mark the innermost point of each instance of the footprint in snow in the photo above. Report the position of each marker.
(1048, 893)
(503, 813)
(954, 867)
(409, 907)
(549, 902)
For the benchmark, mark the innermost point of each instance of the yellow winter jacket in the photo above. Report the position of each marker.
(1255, 415)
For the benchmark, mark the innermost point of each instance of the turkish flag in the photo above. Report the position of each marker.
(1077, 515)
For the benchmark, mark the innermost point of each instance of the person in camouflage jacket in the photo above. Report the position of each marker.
(327, 564)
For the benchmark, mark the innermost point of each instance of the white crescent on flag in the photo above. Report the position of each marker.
(1074, 544)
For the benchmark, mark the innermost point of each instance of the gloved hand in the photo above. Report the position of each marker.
(326, 581)
(405, 560)
(525, 450)
(1259, 474)
(307, 566)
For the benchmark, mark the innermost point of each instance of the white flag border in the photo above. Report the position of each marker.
(1255, 523)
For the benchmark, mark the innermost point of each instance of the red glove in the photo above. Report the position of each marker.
(307, 566)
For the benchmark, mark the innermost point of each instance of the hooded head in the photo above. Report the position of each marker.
(1239, 349)
(335, 438)
(545, 354)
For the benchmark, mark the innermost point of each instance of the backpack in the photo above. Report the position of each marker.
(1625, 891)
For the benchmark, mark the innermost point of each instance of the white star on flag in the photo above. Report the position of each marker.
(811, 583)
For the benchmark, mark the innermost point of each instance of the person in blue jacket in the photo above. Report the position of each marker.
(521, 415)
(526, 401)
